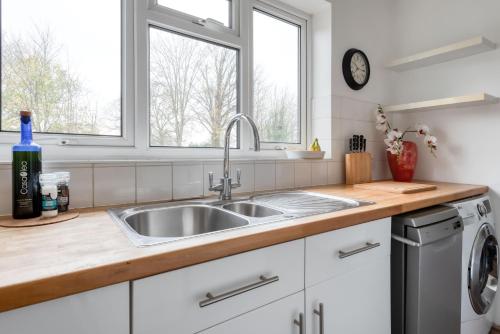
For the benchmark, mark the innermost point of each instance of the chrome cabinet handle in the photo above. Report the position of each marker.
(320, 313)
(300, 323)
(368, 246)
(211, 299)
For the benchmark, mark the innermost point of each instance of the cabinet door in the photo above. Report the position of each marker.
(356, 302)
(177, 302)
(100, 311)
(276, 318)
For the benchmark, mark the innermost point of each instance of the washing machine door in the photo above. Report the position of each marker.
(483, 269)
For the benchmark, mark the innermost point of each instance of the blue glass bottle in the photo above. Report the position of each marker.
(26, 168)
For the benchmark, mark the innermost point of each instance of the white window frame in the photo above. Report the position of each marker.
(137, 16)
(127, 99)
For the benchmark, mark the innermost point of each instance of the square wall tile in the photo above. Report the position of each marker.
(5, 191)
(218, 170)
(285, 175)
(319, 173)
(154, 183)
(339, 149)
(114, 185)
(247, 176)
(336, 172)
(265, 176)
(358, 110)
(81, 189)
(302, 174)
(187, 181)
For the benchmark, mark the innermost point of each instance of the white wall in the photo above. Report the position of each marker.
(364, 25)
(468, 137)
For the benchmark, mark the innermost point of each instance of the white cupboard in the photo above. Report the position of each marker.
(356, 302)
(99, 311)
(348, 280)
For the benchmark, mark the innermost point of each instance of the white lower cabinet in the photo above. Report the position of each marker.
(348, 280)
(284, 316)
(192, 299)
(356, 302)
(99, 311)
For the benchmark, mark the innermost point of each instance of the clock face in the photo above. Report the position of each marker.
(358, 68)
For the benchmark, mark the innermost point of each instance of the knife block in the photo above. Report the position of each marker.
(358, 168)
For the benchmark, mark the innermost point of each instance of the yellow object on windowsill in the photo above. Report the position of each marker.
(315, 146)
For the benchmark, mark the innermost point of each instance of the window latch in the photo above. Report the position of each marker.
(200, 22)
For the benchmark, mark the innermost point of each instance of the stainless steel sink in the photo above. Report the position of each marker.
(183, 221)
(165, 222)
(251, 210)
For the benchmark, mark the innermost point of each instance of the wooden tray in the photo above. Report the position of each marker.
(396, 187)
(9, 222)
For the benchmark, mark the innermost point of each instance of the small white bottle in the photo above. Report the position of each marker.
(48, 190)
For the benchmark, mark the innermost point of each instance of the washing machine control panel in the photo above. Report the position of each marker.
(483, 208)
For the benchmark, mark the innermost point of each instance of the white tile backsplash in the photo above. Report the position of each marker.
(265, 176)
(285, 175)
(319, 173)
(154, 183)
(113, 185)
(187, 180)
(302, 174)
(218, 170)
(6, 191)
(336, 172)
(107, 184)
(247, 176)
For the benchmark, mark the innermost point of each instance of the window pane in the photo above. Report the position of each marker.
(219, 10)
(62, 60)
(276, 104)
(193, 90)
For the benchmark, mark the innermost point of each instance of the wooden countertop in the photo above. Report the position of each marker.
(48, 262)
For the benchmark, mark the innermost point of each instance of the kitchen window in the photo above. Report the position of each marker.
(53, 63)
(160, 77)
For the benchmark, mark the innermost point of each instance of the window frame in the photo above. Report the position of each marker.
(233, 16)
(127, 98)
(302, 20)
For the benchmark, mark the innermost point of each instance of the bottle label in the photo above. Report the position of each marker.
(48, 204)
(26, 167)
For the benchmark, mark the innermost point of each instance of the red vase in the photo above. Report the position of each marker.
(403, 166)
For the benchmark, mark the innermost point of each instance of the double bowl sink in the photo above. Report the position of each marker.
(160, 223)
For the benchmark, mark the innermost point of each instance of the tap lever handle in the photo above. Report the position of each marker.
(211, 179)
(238, 176)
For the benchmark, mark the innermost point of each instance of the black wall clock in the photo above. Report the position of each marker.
(356, 69)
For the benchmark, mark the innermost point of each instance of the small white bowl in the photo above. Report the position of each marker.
(305, 154)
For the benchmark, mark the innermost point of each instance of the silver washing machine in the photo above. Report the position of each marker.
(479, 264)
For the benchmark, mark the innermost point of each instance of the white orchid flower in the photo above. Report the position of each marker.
(382, 126)
(394, 135)
(422, 130)
(431, 142)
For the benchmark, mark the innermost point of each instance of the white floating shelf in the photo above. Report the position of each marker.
(450, 102)
(449, 52)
